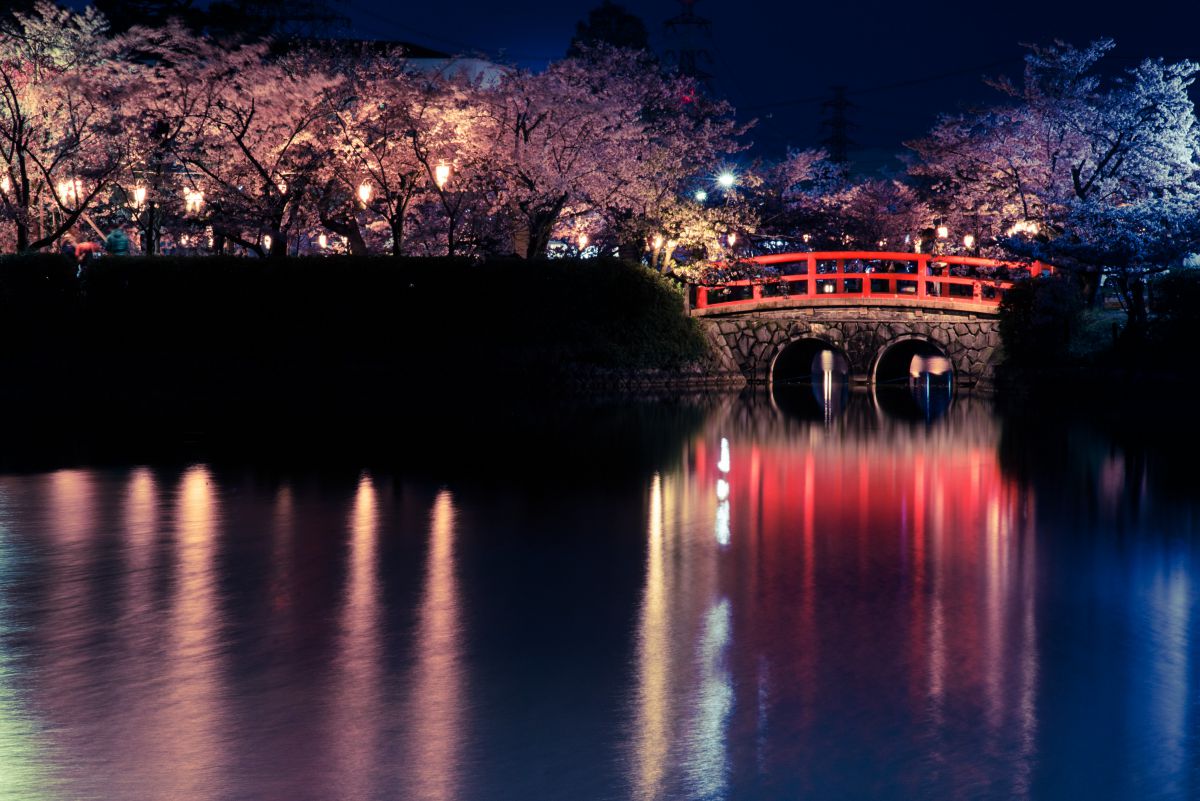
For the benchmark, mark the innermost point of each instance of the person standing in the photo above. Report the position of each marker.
(117, 242)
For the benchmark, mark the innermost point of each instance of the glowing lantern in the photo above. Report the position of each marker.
(943, 231)
(364, 193)
(583, 240)
(968, 241)
(267, 241)
(732, 237)
(441, 174)
(322, 241)
(5, 184)
(139, 196)
(193, 200)
(657, 241)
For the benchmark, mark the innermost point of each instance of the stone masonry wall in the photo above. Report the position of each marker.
(753, 340)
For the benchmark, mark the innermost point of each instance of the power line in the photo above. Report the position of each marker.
(885, 87)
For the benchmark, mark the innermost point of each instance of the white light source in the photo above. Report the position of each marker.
(5, 184)
(1024, 227)
(322, 241)
(583, 240)
(267, 241)
(726, 180)
(732, 237)
(69, 191)
(657, 241)
(441, 174)
(968, 241)
(943, 231)
(364, 192)
(139, 196)
(193, 200)
(701, 195)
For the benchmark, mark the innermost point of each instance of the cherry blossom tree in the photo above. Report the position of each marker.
(252, 138)
(1090, 165)
(608, 132)
(62, 103)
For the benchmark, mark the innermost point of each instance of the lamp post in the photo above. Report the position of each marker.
(365, 191)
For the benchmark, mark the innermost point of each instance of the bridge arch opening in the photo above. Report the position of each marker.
(914, 379)
(810, 379)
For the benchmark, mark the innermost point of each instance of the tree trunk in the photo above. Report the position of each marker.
(150, 231)
(397, 226)
(541, 227)
(350, 230)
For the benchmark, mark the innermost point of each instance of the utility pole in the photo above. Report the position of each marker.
(837, 125)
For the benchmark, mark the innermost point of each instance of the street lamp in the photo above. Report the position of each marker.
(943, 231)
(726, 180)
(139, 196)
(701, 195)
(441, 174)
(364, 193)
(968, 241)
(267, 242)
(657, 242)
(732, 237)
(322, 241)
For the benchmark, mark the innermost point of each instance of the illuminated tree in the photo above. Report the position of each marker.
(62, 101)
(609, 134)
(1103, 172)
(252, 138)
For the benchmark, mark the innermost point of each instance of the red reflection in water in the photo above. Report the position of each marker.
(887, 576)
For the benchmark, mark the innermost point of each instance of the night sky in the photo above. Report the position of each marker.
(903, 62)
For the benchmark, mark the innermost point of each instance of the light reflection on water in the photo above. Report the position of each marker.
(854, 607)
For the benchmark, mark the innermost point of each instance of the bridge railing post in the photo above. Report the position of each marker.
(701, 297)
(756, 291)
(922, 274)
(976, 291)
(812, 276)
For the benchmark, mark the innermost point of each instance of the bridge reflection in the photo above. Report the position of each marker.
(837, 550)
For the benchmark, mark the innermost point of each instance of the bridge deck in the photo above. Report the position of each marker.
(867, 278)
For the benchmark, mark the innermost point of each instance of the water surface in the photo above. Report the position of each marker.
(833, 597)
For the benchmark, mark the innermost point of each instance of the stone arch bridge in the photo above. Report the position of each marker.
(876, 312)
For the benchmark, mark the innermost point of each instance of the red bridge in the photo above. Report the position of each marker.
(869, 278)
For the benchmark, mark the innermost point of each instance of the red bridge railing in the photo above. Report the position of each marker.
(846, 277)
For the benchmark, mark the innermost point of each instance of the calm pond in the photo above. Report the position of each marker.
(822, 596)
